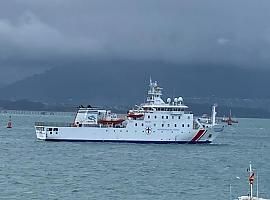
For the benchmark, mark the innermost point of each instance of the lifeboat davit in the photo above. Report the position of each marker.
(111, 121)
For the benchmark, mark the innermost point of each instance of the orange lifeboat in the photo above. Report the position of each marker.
(111, 121)
(135, 115)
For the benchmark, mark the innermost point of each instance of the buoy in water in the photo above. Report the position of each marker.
(9, 125)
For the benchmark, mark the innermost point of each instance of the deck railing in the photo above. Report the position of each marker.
(65, 124)
(56, 124)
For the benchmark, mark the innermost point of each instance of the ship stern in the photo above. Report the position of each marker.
(40, 132)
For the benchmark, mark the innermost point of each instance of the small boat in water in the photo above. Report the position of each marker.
(229, 120)
(251, 179)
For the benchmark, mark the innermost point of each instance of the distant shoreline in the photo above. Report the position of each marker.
(73, 113)
(198, 108)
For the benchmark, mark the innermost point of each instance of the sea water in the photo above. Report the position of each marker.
(32, 169)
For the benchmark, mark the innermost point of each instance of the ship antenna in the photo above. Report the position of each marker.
(230, 191)
(214, 114)
(257, 185)
(251, 179)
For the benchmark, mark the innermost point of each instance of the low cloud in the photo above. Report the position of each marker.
(36, 35)
(30, 39)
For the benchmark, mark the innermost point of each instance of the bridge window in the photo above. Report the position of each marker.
(175, 125)
(168, 125)
(82, 112)
(172, 117)
(148, 116)
(162, 117)
(167, 117)
(183, 125)
(188, 125)
(162, 125)
(142, 124)
(179, 117)
(154, 124)
(155, 117)
(136, 124)
(40, 128)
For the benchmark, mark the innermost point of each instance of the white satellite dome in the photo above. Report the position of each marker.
(180, 99)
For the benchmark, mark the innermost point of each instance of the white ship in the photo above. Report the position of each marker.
(155, 121)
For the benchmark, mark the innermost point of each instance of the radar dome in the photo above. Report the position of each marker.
(175, 100)
(169, 100)
(180, 99)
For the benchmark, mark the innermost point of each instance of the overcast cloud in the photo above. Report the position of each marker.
(36, 34)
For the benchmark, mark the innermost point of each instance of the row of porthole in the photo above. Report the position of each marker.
(54, 132)
(142, 131)
(52, 129)
(168, 125)
(167, 117)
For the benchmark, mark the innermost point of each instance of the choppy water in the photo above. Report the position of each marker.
(31, 169)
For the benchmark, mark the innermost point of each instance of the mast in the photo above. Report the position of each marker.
(230, 192)
(154, 93)
(214, 114)
(257, 181)
(251, 179)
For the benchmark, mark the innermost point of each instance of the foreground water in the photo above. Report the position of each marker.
(32, 169)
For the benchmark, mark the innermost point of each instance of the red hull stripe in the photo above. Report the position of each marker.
(198, 136)
(202, 135)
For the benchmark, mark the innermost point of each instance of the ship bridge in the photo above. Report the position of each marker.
(155, 102)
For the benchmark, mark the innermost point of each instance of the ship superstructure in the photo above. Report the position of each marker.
(154, 121)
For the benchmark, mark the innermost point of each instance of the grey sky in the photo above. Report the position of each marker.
(36, 34)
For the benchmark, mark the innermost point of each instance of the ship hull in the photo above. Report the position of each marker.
(96, 134)
(130, 141)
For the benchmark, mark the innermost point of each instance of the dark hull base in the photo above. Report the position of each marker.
(131, 141)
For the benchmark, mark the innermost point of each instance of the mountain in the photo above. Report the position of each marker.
(125, 82)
